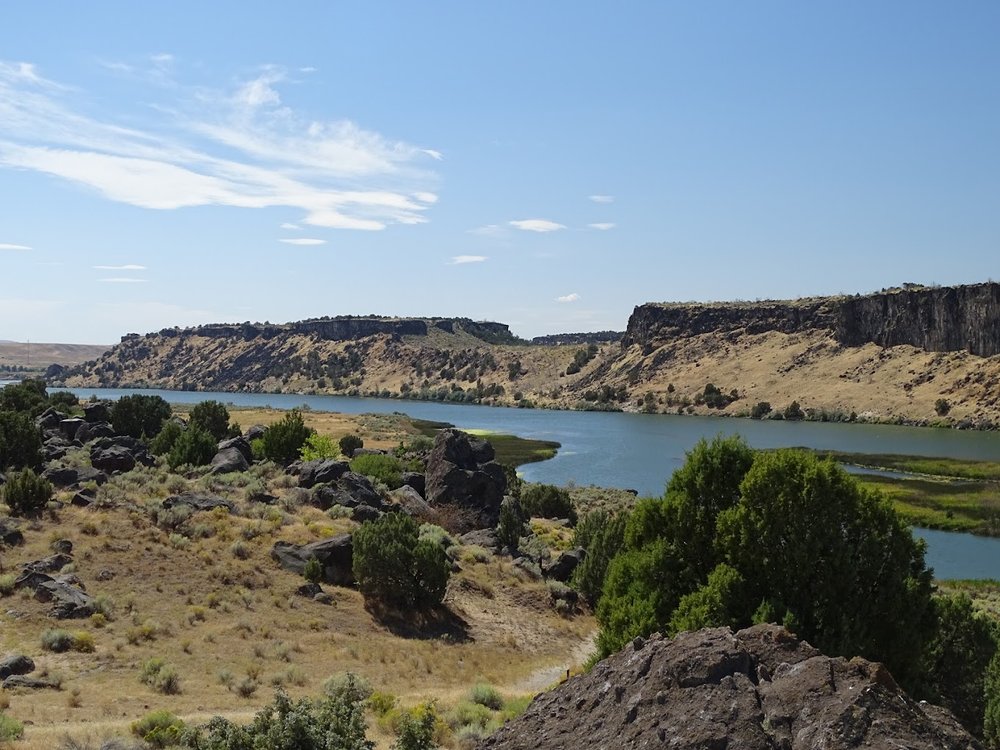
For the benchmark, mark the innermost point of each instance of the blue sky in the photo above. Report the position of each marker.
(545, 164)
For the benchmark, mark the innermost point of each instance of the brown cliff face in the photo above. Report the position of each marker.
(945, 319)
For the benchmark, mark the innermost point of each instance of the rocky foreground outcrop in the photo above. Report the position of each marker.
(758, 689)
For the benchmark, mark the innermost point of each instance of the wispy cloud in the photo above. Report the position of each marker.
(573, 297)
(490, 230)
(459, 260)
(126, 267)
(9, 246)
(124, 280)
(302, 241)
(602, 198)
(537, 225)
(289, 225)
(602, 225)
(241, 147)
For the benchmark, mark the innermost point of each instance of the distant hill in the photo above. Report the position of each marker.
(40, 355)
(917, 355)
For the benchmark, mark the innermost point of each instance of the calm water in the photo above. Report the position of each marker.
(641, 451)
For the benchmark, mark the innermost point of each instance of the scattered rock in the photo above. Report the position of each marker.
(758, 689)
(561, 569)
(15, 664)
(259, 496)
(51, 564)
(91, 431)
(481, 538)
(62, 547)
(363, 513)
(69, 602)
(255, 433)
(83, 499)
(412, 504)
(198, 501)
(10, 533)
(229, 460)
(30, 683)
(335, 555)
(65, 476)
(309, 589)
(50, 419)
(530, 567)
(351, 490)
(321, 471)
(139, 452)
(461, 472)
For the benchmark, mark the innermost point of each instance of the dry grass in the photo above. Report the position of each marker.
(207, 611)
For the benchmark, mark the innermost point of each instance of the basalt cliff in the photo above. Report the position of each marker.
(917, 355)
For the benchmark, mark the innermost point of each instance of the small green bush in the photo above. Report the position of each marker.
(350, 443)
(212, 417)
(138, 415)
(10, 728)
(57, 640)
(26, 493)
(159, 728)
(166, 438)
(7, 584)
(319, 446)
(313, 571)
(382, 467)
(942, 407)
(416, 731)
(486, 695)
(513, 523)
(160, 676)
(760, 410)
(392, 565)
(348, 686)
(547, 501)
(283, 441)
(20, 441)
(195, 446)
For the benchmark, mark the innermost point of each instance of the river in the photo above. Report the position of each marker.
(641, 451)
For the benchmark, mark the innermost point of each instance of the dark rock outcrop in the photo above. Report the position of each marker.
(228, 460)
(69, 426)
(30, 683)
(758, 689)
(97, 411)
(321, 471)
(10, 533)
(65, 476)
(563, 566)
(16, 664)
(92, 430)
(461, 473)
(409, 501)
(111, 451)
(113, 459)
(937, 319)
(241, 444)
(350, 490)
(335, 555)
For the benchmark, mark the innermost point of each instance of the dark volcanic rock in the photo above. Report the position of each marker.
(97, 411)
(351, 490)
(114, 459)
(461, 472)
(228, 460)
(412, 504)
(68, 602)
(254, 433)
(363, 513)
(30, 683)
(16, 664)
(51, 564)
(241, 444)
(758, 689)
(198, 501)
(415, 480)
(91, 431)
(10, 533)
(321, 471)
(563, 566)
(335, 555)
(482, 538)
(64, 476)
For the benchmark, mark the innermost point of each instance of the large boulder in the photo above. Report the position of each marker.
(408, 500)
(114, 459)
(92, 430)
(461, 473)
(10, 533)
(16, 664)
(335, 556)
(228, 460)
(50, 419)
(321, 471)
(255, 432)
(68, 602)
(97, 411)
(69, 426)
(758, 689)
(563, 566)
(351, 490)
(239, 443)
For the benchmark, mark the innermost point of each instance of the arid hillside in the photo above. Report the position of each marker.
(915, 355)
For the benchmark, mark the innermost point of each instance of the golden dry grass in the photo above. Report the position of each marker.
(211, 612)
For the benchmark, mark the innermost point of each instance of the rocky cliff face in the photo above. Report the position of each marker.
(758, 689)
(962, 318)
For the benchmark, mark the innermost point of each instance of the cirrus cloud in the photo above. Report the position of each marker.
(242, 148)
(603, 225)
(126, 267)
(537, 225)
(459, 260)
(602, 198)
(302, 241)
(9, 246)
